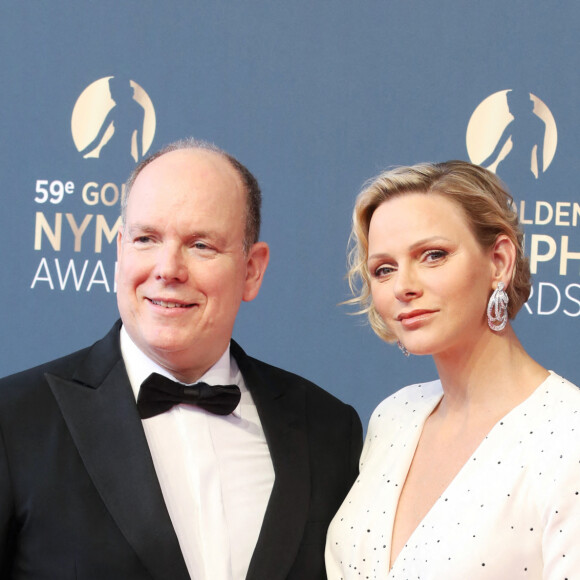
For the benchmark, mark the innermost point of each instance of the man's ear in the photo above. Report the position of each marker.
(119, 242)
(119, 245)
(503, 256)
(256, 264)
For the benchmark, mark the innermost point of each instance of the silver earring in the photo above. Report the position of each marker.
(497, 311)
(402, 348)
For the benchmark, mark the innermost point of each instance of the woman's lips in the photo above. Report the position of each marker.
(415, 317)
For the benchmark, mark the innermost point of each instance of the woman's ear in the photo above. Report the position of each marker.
(503, 256)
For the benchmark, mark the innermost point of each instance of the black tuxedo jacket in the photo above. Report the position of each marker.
(79, 497)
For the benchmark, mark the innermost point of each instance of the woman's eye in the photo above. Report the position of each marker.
(383, 271)
(435, 255)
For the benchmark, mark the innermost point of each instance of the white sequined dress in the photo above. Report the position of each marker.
(512, 512)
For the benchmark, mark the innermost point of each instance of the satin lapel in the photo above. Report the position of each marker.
(282, 411)
(99, 409)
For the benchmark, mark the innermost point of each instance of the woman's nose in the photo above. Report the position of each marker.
(407, 285)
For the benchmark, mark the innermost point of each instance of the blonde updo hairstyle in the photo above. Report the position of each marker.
(484, 200)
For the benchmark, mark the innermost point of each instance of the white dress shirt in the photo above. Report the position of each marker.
(215, 471)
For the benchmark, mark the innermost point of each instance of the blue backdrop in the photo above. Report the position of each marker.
(314, 98)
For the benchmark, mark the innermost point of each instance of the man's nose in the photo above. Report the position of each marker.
(171, 264)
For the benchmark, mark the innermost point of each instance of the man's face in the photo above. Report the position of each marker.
(182, 271)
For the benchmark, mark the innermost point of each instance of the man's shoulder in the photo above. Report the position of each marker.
(29, 379)
(27, 382)
(281, 379)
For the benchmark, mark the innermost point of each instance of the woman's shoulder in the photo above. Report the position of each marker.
(547, 436)
(410, 400)
(398, 415)
(556, 403)
(417, 394)
(559, 386)
(558, 398)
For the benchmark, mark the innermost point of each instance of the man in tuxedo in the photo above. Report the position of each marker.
(109, 470)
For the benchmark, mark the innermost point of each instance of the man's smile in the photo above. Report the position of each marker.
(166, 304)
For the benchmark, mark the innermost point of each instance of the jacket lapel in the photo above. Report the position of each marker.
(282, 411)
(99, 409)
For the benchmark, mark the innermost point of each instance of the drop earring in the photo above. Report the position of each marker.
(497, 309)
(402, 348)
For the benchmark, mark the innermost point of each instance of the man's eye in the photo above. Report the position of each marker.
(200, 246)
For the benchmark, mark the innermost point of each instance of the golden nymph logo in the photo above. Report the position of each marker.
(512, 132)
(113, 118)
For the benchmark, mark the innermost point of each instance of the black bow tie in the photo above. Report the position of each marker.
(158, 394)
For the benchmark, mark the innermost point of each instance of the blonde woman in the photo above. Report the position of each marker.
(475, 475)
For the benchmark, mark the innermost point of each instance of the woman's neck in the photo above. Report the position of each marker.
(492, 376)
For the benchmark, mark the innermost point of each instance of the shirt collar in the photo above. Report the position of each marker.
(139, 366)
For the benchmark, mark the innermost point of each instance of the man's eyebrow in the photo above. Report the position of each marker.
(140, 227)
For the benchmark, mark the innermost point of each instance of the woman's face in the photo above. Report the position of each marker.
(430, 278)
